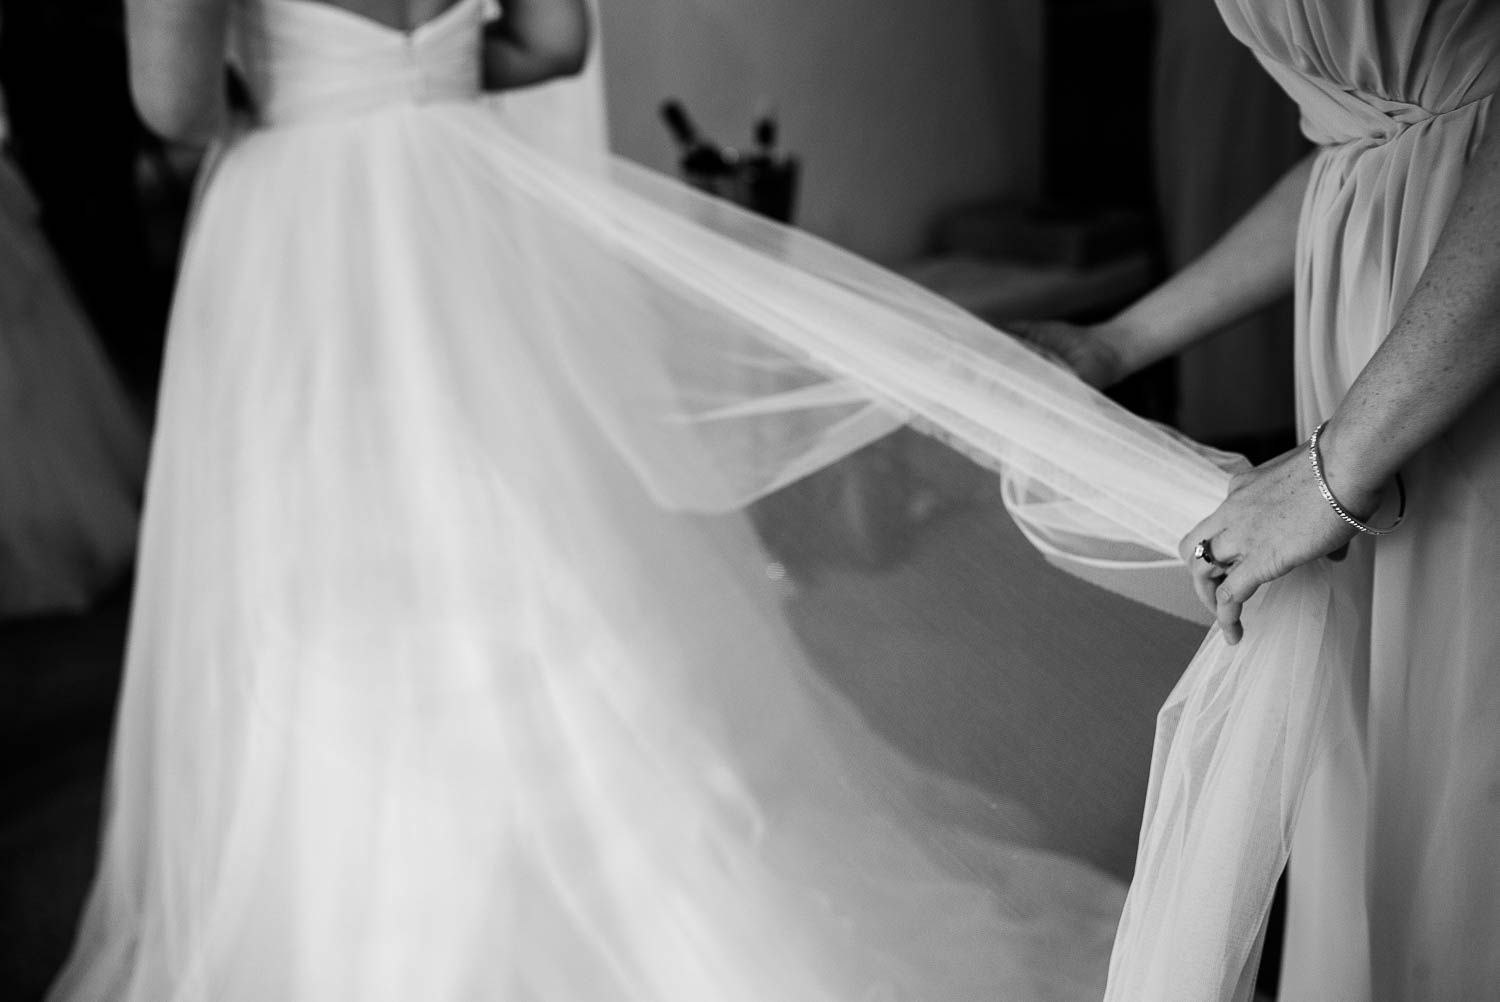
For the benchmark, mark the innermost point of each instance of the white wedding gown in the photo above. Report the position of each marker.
(434, 690)
(426, 698)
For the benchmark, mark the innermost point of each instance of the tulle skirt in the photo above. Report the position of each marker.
(429, 698)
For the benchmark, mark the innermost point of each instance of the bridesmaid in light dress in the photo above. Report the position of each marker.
(1387, 233)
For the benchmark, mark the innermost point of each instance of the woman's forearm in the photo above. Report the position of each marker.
(535, 41)
(1248, 269)
(1442, 354)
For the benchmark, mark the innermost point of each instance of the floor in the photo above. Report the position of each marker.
(58, 679)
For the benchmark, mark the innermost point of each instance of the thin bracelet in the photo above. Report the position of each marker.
(1338, 509)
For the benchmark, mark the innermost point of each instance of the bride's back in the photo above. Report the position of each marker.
(177, 46)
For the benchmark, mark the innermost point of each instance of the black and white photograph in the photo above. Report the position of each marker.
(702, 501)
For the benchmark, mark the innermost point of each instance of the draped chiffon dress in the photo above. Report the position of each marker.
(1394, 889)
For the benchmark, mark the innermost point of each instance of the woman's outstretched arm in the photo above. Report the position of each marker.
(534, 41)
(1442, 355)
(177, 66)
(1247, 269)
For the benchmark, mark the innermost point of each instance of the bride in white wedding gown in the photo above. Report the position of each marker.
(433, 692)
(426, 698)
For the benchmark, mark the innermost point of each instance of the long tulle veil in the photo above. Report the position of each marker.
(776, 355)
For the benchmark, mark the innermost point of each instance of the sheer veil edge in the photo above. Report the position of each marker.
(843, 352)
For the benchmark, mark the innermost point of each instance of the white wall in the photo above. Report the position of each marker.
(898, 108)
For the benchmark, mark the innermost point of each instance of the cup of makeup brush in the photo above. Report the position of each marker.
(759, 179)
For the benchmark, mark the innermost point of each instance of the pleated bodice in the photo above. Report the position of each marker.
(303, 60)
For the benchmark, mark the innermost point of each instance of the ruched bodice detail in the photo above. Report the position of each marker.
(1334, 115)
(1395, 93)
(305, 60)
(1365, 72)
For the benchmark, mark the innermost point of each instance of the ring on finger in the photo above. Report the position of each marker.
(1204, 551)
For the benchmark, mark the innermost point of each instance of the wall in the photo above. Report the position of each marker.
(899, 109)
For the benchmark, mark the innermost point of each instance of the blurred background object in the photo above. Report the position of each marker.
(897, 111)
(758, 177)
(75, 135)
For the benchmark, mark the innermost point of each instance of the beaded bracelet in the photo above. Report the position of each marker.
(1338, 509)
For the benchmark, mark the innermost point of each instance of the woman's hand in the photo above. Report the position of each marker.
(1274, 520)
(1088, 351)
